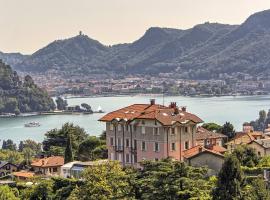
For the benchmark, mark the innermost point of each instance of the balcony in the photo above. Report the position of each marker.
(133, 150)
(118, 148)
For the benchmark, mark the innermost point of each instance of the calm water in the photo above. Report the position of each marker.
(215, 109)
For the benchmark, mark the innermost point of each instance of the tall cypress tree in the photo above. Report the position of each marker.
(230, 180)
(68, 150)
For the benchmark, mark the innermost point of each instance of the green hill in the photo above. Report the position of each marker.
(17, 96)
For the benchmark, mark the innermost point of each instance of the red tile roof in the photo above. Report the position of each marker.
(199, 149)
(203, 134)
(53, 161)
(23, 174)
(165, 115)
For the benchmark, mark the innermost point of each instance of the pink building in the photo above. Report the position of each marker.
(149, 132)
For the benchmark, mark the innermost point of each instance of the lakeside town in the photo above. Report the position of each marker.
(139, 139)
(165, 83)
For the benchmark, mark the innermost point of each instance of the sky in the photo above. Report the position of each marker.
(28, 25)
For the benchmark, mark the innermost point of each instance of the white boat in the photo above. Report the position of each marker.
(32, 124)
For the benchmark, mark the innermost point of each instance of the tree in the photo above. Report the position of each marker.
(56, 139)
(9, 145)
(20, 148)
(61, 104)
(230, 180)
(28, 155)
(246, 156)
(228, 129)
(258, 190)
(212, 127)
(87, 148)
(7, 194)
(42, 191)
(105, 181)
(87, 107)
(264, 162)
(68, 151)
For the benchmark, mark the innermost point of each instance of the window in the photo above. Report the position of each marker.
(259, 153)
(111, 127)
(127, 142)
(54, 169)
(155, 122)
(156, 131)
(143, 130)
(173, 131)
(156, 148)
(119, 142)
(134, 128)
(187, 145)
(119, 127)
(173, 146)
(111, 141)
(127, 158)
(135, 144)
(143, 146)
(143, 122)
(186, 129)
(156, 159)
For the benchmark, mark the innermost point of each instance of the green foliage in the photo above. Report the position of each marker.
(257, 190)
(42, 191)
(230, 180)
(17, 96)
(262, 122)
(228, 129)
(31, 144)
(9, 145)
(212, 127)
(61, 104)
(87, 107)
(56, 139)
(106, 181)
(6, 193)
(68, 151)
(246, 155)
(14, 157)
(28, 155)
(92, 148)
(171, 180)
(264, 162)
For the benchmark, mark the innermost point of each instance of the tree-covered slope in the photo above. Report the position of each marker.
(205, 51)
(18, 96)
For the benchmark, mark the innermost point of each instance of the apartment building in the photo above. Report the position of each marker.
(149, 132)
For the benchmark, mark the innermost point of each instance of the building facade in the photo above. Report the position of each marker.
(149, 132)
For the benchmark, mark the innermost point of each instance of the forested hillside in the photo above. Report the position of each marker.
(18, 96)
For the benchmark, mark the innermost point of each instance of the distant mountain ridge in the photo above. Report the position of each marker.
(205, 51)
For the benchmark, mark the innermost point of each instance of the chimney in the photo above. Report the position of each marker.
(184, 108)
(173, 105)
(152, 102)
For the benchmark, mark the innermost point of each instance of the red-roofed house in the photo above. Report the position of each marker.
(149, 131)
(200, 156)
(48, 166)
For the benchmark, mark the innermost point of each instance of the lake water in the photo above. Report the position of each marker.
(213, 109)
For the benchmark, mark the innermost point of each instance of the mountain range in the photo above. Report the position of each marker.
(205, 51)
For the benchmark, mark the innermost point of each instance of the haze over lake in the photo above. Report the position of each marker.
(213, 109)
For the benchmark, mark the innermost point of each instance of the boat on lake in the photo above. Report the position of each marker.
(32, 124)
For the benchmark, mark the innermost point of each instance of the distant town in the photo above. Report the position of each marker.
(165, 83)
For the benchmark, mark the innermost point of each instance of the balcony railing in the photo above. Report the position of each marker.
(118, 148)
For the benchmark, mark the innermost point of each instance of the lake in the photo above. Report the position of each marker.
(211, 109)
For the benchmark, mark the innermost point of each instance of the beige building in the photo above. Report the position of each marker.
(261, 146)
(7, 168)
(149, 132)
(50, 166)
(200, 156)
